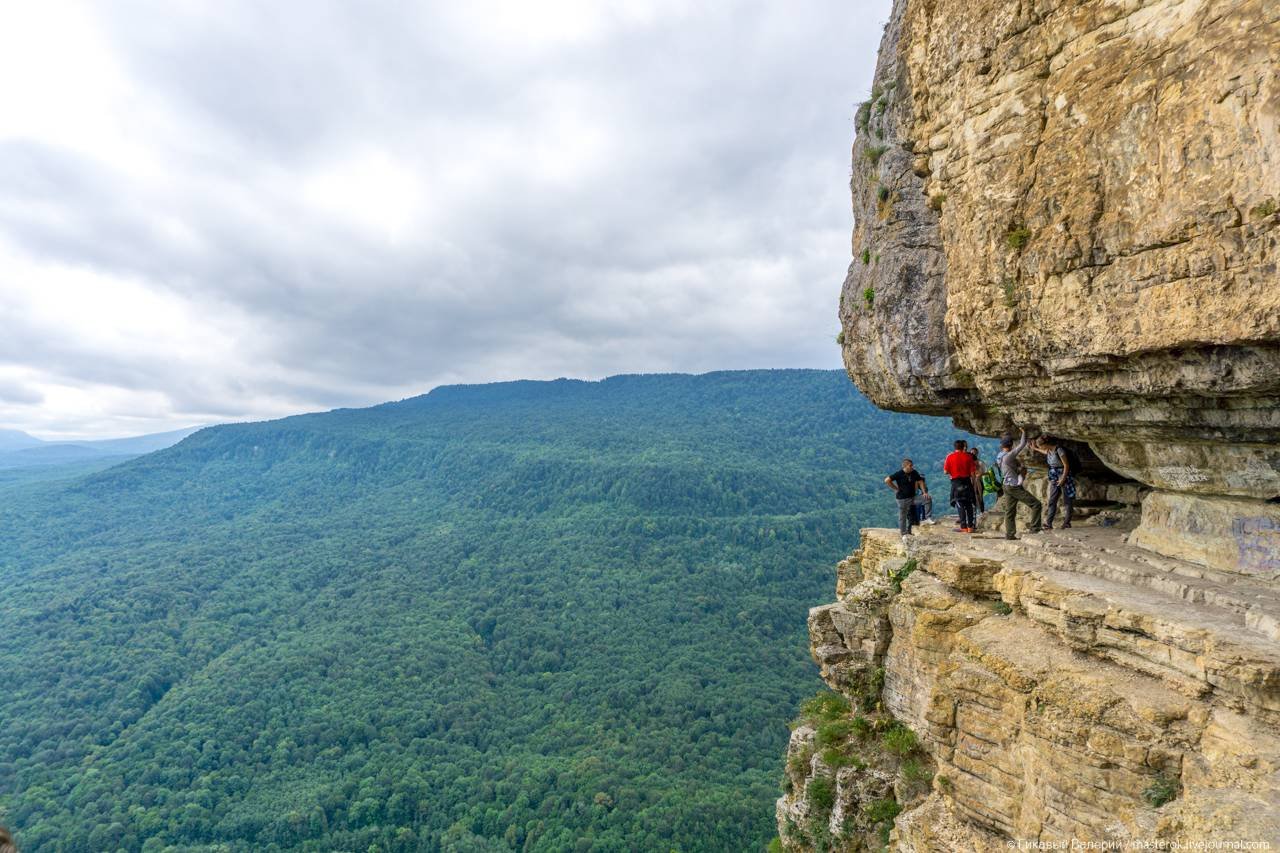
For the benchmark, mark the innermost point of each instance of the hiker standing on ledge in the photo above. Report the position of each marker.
(1062, 478)
(1015, 475)
(906, 482)
(960, 467)
(978, 470)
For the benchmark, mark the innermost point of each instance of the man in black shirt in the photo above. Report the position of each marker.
(911, 491)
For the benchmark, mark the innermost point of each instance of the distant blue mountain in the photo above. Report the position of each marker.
(12, 439)
(20, 450)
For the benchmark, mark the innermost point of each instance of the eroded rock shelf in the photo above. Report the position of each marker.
(1065, 686)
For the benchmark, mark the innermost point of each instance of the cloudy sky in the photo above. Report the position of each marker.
(229, 210)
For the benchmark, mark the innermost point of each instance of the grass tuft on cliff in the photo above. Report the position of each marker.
(900, 740)
(1163, 789)
(1017, 237)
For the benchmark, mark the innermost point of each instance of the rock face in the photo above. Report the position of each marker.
(1068, 218)
(1062, 688)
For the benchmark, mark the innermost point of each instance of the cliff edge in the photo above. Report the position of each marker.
(1068, 221)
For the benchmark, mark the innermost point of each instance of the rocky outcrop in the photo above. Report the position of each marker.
(1066, 687)
(1068, 221)
(1068, 218)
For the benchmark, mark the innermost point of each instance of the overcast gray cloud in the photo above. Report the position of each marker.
(215, 211)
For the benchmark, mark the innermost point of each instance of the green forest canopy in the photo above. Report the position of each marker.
(522, 616)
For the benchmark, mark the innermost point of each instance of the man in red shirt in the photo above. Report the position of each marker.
(960, 467)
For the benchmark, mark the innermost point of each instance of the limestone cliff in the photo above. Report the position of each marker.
(1067, 216)
(1059, 688)
(1067, 220)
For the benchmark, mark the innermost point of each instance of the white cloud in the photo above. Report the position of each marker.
(235, 210)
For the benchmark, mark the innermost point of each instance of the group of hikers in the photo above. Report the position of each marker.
(972, 482)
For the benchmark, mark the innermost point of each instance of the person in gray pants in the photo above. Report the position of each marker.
(1015, 475)
(911, 491)
(1062, 479)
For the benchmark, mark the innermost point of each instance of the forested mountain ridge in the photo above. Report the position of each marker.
(532, 615)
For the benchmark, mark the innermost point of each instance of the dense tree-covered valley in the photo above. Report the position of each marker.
(523, 616)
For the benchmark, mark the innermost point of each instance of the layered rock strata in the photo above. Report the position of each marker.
(1068, 221)
(1066, 687)
(1068, 218)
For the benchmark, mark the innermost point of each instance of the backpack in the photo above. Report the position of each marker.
(1019, 467)
(990, 481)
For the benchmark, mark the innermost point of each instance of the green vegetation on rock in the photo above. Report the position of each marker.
(1017, 237)
(1163, 789)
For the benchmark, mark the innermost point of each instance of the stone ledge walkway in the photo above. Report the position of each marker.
(1200, 630)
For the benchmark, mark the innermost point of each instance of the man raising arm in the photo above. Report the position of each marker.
(1015, 474)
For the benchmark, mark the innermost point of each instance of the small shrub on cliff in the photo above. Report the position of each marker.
(821, 793)
(900, 740)
(881, 810)
(775, 846)
(936, 201)
(798, 763)
(835, 759)
(861, 118)
(840, 337)
(1262, 211)
(882, 193)
(1010, 295)
(1161, 790)
(862, 727)
(834, 732)
(869, 296)
(866, 256)
(867, 687)
(874, 153)
(901, 574)
(877, 680)
(826, 705)
(1017, 238)
(914, 771)
(1002, 608)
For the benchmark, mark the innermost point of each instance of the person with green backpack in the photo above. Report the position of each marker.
(991, 484)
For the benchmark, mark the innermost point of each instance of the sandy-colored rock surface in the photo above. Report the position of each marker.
(1067, 219)
(1226, 533)
(1067, 687)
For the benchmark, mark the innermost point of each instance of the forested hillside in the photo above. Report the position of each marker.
(522, 616)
